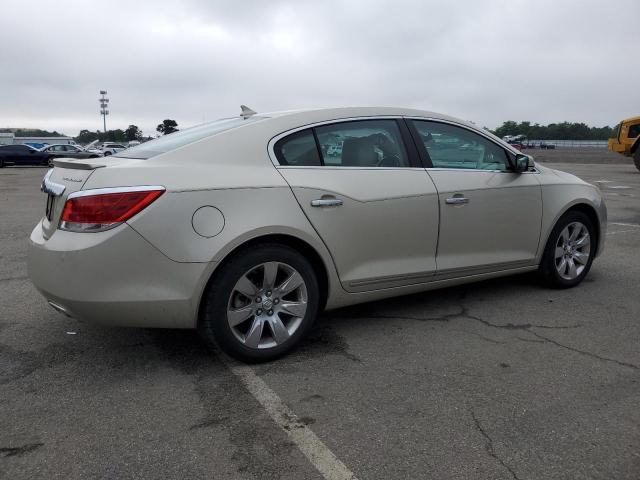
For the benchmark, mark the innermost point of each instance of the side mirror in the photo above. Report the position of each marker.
(523, 163)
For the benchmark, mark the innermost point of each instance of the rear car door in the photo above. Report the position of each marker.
(361, 186)
(490, 216)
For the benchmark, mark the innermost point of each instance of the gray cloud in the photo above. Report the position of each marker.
(485, 61)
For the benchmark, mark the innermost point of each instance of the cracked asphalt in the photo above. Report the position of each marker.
(502, 379)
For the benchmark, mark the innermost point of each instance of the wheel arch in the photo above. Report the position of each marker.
(579, 206)
(301, 246)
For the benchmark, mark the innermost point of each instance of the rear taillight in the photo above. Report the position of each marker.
(105, 208)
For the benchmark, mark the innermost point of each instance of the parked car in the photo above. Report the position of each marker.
(22, 155)
(69, 151)
(241, 228)
(517, 145)
(111, 148)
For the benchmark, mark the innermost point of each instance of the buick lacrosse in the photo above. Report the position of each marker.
(245, 228)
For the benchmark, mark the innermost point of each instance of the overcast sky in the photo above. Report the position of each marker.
(194, 60)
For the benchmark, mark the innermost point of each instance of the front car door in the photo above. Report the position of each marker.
(361, 186)
(71, 151)
(490, 216)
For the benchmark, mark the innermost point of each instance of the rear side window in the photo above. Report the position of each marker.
(362, 143)
(298, 149)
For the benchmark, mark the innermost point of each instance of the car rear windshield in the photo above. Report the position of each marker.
(184, 137)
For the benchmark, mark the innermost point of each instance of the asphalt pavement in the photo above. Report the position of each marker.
(503, 379)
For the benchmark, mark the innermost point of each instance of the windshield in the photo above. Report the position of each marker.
(184, 137)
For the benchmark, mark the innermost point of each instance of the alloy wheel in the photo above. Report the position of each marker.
(267, 305)
(573, 249)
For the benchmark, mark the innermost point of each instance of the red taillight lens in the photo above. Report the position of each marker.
(104, 210)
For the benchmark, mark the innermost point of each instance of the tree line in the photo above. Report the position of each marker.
(555, 131)
(131, 133)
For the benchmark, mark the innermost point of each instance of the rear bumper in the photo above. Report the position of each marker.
(115, 278)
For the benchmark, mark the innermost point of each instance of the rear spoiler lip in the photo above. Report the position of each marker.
(77, 164)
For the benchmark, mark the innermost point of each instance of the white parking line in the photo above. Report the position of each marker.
(622, 231)
(625, 224)
(329, 466)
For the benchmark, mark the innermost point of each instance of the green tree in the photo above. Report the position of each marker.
(132, 133)
(555, 131)
(167, 126)
(86, 136)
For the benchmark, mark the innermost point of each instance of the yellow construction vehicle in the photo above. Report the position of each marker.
(627, 140)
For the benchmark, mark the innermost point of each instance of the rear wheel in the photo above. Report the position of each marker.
(1, 162)
(636, 158)
(261, 303)
(569, 252)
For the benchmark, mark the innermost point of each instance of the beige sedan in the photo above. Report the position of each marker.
(247, 227)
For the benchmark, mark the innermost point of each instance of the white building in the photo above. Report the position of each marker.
(11, 139)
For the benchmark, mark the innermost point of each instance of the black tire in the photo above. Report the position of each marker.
(1, 162)
(106, 154)
(214, 327)
(636, 158)
(547, 270)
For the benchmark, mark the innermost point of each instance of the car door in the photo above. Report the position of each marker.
(361, 186)
(56, 151)
(7, 153)
(490, 216)
(72, 151)
(25, 155)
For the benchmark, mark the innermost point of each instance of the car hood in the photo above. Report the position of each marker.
(564, 177)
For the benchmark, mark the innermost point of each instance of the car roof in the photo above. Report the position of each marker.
(296, 118)
(332, 113)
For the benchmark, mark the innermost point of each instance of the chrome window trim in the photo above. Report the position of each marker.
(443, 169)
(105, 191)
(337, 167)
(272, 142)
(276, 163)
(50, 187)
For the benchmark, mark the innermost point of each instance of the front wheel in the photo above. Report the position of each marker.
(107, 153)
(636, 158)
(569, 252)
(260, 303)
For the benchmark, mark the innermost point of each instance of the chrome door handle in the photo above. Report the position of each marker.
(456, 200)
(326, 202)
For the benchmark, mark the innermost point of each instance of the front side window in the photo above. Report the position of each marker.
(362, 143)
(634, 130)
(450, 146)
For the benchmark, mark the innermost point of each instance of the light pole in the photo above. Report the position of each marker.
(104, 104)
